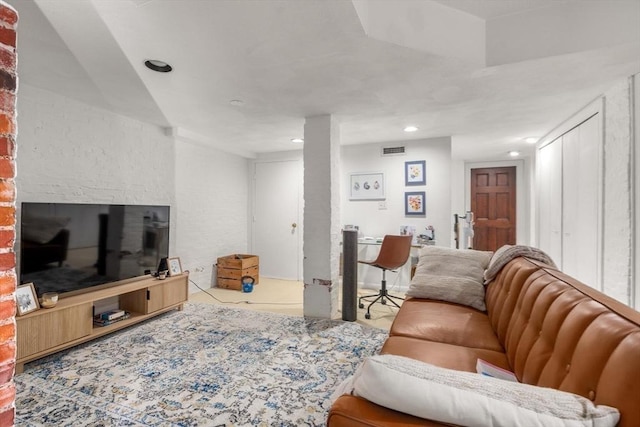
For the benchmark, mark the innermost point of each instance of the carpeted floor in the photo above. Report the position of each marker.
(205, 366)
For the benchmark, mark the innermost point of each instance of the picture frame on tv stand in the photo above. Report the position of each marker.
(26, 299)
(175, 267)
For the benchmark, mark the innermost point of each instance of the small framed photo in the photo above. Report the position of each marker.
(414, 173)
(175, 267)
(414, 203)
(26, 299)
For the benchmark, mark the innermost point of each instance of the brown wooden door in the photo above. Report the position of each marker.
(493, 203)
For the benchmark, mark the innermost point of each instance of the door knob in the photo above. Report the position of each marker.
(294, 225)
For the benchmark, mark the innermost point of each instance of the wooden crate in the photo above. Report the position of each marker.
(232, 268)
(238, 261)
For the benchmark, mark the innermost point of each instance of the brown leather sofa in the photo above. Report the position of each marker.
(546, 327)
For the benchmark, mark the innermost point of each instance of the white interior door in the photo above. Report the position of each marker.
(277, 215)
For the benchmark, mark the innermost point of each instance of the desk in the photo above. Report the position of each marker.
(378, 241)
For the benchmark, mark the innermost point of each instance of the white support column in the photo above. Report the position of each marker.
(321, 245)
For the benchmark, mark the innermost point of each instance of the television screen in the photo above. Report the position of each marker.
(67, 247)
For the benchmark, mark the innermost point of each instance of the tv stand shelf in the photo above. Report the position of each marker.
(70, 322)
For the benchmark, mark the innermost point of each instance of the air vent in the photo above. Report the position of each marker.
(393, 151)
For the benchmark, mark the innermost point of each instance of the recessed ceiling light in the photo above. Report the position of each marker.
(531, 140)
(410, 129)
(514, 153)
(159, 66)
(297, 140)
(236, 102)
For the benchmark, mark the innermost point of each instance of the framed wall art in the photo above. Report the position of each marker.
(415, 173)
(26, 299)
(414, 203)
(366, 186)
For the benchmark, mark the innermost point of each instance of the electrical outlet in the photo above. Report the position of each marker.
(382, 205)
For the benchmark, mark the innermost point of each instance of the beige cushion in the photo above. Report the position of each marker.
(469, 399)
(454, 275)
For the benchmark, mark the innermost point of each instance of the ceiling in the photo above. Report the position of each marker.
(485, 72)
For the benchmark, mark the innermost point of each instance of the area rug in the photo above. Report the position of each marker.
(204, 366)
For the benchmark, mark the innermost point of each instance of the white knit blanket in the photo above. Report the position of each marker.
(508, 252)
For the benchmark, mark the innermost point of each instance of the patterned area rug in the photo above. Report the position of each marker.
(205, 366)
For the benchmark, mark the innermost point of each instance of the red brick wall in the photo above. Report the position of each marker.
(8, 86)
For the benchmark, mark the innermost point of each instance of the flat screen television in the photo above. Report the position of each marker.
(70, 247)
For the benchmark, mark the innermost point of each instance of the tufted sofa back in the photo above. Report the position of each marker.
(560, 333)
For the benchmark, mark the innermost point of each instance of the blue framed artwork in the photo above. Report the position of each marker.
(415, 173)
(414, 203)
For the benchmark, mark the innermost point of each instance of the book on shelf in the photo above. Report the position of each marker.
(99, 321)
(485, 368)
(112, 314)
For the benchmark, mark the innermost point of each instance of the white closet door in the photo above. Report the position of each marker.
(580, 225)
(549, 183)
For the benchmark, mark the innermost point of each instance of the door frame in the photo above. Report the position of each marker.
(282, 157)
(523, 193)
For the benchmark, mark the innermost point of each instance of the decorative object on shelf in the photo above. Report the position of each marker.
(26, 299)
(106, 319)
(366, 186)
(408, 230)
(414, 173)
(428, 237)
(175, 267)
(49, 299)
(414, 203)
(163, 274)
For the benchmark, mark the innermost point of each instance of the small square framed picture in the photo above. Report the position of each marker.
(414, 203)
(414, 173)
(175, 267)
(26, 299)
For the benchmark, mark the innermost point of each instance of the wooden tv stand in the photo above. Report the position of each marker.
(70, 322)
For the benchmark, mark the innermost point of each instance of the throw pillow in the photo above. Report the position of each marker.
(469, 399)
(454, 275)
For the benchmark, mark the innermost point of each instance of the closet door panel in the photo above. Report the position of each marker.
(549, 181)
(580, 225)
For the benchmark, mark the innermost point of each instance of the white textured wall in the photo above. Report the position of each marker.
(618, 194)
(212, 199)
(70, 152)
(321, 246)
(636, 146)
(372, 220)
(376, 222)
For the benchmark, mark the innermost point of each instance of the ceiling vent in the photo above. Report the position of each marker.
(393, 151)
